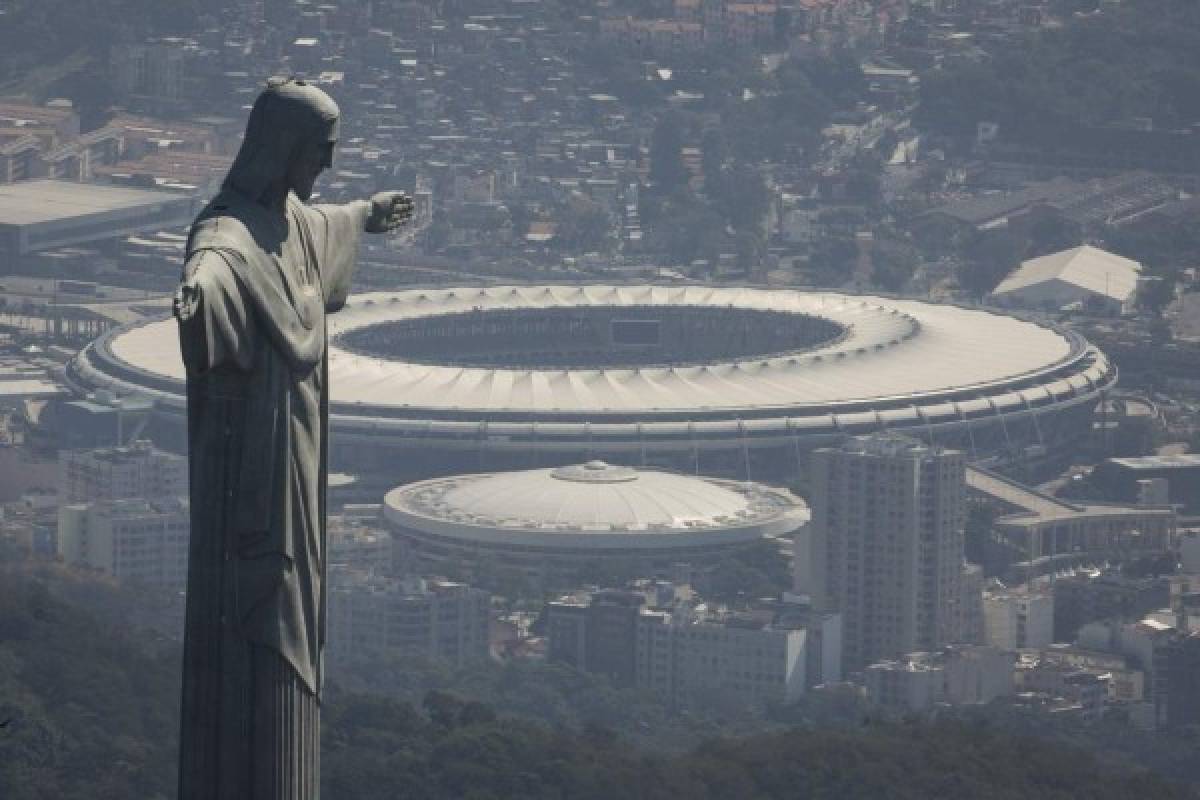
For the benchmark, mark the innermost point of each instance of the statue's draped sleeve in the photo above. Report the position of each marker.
(216, 323)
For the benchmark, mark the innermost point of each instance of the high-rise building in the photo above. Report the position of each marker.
(971, 616)
(598, 634)
(885, 546)
(1018, 620)
(1189, 552)
(1177, 680)
(435, 619)
(119, 473)
(129, 539)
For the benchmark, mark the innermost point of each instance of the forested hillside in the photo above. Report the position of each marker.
(1149, 67)
(92, 715)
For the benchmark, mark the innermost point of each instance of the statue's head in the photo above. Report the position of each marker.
(291, 135)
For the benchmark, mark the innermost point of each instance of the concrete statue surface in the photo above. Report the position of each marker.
(263, 269)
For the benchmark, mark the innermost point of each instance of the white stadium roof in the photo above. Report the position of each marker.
(893, 349)
(943, 372)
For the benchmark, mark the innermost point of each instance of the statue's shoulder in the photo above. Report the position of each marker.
(224, 224)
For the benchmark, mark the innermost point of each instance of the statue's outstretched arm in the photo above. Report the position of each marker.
(337, 233)
(388, 211)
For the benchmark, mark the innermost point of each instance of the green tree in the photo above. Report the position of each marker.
(893, 263)
(750, 247)
(437, 235)
(1156, 292)
(687, 231)
(990, 256)
(584, 226)
(783, 25)
(863, 185)
(521, 217)
(754, 572)
(741, 197)
(1051, 234)
(714, 152)
(667, 171)
(832, 260)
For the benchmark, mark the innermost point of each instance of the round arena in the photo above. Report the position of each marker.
(546, 523)
(739, 382)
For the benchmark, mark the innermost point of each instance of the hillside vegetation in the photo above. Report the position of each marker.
(93, 710)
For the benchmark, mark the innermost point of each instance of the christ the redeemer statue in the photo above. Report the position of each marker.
(263, 268)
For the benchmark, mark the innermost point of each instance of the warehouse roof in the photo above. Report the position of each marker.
(1087, 267)
(33, 202)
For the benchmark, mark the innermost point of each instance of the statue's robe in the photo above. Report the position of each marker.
(251, 314)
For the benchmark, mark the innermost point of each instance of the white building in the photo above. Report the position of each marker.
(694, 655)
(886, 545)
(434, 619)
(1125, 684)
(1085, 277)
(1018, 620)
(132, 539)
(117, 473)
(914, 683)
(742, 660)
(977, 673)
(1072, 688)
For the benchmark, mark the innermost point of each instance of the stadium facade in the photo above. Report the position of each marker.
(739, 382)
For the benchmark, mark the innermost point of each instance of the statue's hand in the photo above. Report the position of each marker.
(389, 210)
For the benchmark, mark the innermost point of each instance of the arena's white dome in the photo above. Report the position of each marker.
(593, 506)
(597, 495)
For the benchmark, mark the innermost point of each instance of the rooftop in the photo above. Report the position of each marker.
(892, 349)
(33, 202)
(1176, 461)
(1036, 507)
(986, 208)
(1087, 267)
(593, 496)
(892, 445)
(596, 502)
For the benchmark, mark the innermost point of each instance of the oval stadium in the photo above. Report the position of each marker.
(739, 382)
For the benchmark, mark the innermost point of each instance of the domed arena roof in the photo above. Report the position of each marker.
(594, 504)
(597, 494)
